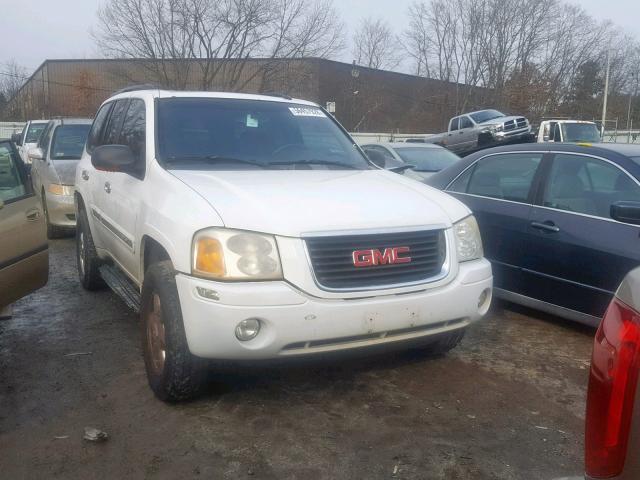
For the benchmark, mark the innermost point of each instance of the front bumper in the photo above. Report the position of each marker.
(514, 135)
(295, 323)
(61, 209)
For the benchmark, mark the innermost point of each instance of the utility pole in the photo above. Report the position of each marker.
(606, 93)
(632, 94)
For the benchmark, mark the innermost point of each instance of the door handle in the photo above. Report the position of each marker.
(461, 133)
(547, 227)
(107, 187)
(85, 175)
(33, 215)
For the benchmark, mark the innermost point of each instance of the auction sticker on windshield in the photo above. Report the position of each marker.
(307, 112)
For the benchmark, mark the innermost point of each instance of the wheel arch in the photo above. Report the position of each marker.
(151, 251)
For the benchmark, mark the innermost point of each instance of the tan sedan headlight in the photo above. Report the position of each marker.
(468, 240)
(235, 255)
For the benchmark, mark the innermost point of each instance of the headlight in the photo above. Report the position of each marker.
(468, 241)
(496, 128)
(57, 189)
(224, 254)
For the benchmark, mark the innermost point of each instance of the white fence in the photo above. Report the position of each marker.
(9, 128)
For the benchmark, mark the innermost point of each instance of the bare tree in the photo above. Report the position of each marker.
(12, 77)
(375, 45)
(220, 34)
(521, 53)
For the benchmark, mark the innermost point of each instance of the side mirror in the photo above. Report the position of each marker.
(626, 212)
(15, 138)
(546, 138)
(114, 158)
(376, 158)
(36, 154)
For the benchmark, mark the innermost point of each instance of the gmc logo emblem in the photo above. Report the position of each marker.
(390, 256)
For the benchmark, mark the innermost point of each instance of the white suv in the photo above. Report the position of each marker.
(252, 227)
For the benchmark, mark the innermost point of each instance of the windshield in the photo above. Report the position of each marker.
(34, 132)
(486, 115)
(580, 132)
(427, 159)
(232, 134)
(68, 142)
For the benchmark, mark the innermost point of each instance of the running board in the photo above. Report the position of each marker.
(122, 286)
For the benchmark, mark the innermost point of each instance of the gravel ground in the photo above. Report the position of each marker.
(508, 403)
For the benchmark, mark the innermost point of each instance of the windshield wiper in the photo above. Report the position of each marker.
(401, 168)
(316, 162)
(213, 159)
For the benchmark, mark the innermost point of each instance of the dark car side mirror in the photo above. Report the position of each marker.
(114, 158)
(626, 212)
(15, 138)
(376, 158)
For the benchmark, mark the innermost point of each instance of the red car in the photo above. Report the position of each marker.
(612, 438)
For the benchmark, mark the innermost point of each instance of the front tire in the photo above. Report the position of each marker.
(445, 343)
(86, 256)
(174, 374)
(53, 231)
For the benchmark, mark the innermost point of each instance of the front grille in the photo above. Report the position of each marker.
(333, 265)
(510, 125)
(516, 124)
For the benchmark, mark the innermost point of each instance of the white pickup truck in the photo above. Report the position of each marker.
(568, 131)
(247, 227)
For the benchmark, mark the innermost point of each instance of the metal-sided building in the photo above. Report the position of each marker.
(366, 99)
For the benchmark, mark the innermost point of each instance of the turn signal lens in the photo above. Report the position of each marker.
(57, 189)
(209, 257)
(615, 365)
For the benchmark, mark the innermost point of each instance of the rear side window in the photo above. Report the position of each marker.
(505, 177)
(98, 125)
(134, 129)
(112, 131)
(588, 185)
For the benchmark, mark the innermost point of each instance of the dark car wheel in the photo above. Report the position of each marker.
(174, 374)
(87, 258)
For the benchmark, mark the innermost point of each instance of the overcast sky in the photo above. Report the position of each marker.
(42, 29)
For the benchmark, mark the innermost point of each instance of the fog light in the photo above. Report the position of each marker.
(484, 298)
(248, 329)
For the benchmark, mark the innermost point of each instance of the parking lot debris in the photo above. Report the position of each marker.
(94, 435)
(78, 354)
(61, 437)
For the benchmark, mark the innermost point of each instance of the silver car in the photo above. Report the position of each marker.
(425, 158)
(612, 435)
(53, 171)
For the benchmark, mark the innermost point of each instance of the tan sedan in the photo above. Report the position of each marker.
(24, 253)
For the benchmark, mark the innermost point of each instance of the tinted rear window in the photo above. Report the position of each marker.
(427, 159)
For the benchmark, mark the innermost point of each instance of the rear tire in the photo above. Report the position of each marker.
(174, 373)
(86, 256)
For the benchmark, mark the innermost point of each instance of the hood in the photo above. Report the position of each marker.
(65, 170)
(501, 120)
(295, 202)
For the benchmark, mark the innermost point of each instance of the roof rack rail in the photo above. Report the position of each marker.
(277, 94)
(135, 88)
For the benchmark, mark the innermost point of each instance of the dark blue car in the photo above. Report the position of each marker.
(560, 223)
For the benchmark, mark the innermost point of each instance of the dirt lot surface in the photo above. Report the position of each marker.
(506, 404)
